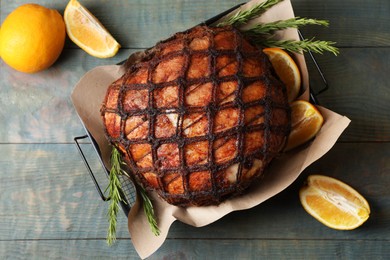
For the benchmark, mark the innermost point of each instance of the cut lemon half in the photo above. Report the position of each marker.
(306, 121)
(334, 203)
(85, 30)
(287, 70)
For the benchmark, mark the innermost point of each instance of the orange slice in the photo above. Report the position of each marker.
(287, 70)
(306, 121)
(85, 30)
(334, 203)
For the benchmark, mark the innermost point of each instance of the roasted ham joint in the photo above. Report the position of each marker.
(199, 117)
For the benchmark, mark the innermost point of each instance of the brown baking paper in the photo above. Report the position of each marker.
(89, 94)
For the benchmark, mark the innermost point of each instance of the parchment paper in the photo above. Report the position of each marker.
(88, 96)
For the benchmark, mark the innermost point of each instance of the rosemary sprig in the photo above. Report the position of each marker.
(312, 45)
(261, 34)
(270, 28)
(115, 188)
(242, 17)
(149, 211)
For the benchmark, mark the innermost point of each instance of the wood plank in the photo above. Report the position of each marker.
(352, 23)
(37, 107)
(282, 216)
(200, 249)
(143, 23)
(271, 249)
(359, 90)
(49, 207)
(46, 193)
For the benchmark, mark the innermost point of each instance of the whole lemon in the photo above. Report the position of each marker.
(32, 38)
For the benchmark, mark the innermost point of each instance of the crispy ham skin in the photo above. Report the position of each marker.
(199, 117)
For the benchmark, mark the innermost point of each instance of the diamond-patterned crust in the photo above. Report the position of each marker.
(200, 117)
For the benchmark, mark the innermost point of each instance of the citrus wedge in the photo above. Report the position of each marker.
(334, 203)
(85, 30)
(287, 70)
(306, 121)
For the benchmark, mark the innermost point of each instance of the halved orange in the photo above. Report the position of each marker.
(287, 70)
(334, 203)
(306, 121)
(85, 30)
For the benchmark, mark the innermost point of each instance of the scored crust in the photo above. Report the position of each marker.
(199, 117)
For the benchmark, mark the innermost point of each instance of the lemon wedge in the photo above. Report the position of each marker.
(85, 30)
(287, 70)
(306, 122)
(334, 203)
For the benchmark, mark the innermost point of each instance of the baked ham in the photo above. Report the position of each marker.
(199, 117)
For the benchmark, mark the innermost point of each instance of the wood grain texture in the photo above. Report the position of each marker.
(45, 113)
(353, 23)
(49, 208)
(359, 88)
(45, 189)
(48, 194)
(140, 24)
(37, 99)
(37, 107)
(200, 249)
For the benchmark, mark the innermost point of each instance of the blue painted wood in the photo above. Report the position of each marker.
(201, 249)
(46, 193)
(140, 24)
(359, 89)
(37, 107)
(49, 207)
(43, 111)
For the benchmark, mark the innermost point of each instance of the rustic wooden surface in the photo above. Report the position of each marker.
(49, 207)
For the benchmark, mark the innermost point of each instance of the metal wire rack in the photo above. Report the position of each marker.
(129, 192)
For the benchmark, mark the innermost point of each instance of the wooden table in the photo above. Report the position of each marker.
(49, 207)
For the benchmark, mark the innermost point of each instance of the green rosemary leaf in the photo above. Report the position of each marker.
(114, 188)
(149, 212)
(259, 32)
(242, 17)
(312, 45)
(271, 27)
